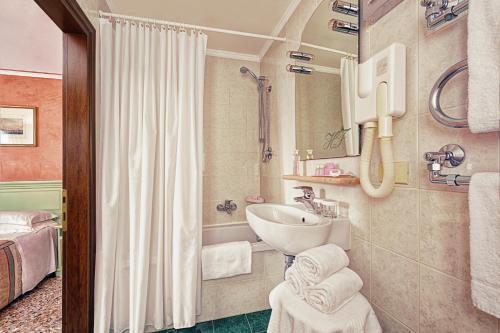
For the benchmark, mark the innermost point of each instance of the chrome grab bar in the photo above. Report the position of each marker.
(434, 104)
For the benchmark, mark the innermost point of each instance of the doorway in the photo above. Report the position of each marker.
(79, 45)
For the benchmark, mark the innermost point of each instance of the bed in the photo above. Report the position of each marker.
(26, 258)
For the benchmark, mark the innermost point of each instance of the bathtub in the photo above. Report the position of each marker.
(232, 232)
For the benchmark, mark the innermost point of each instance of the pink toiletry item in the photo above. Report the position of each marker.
(255, 199)
(330, 166)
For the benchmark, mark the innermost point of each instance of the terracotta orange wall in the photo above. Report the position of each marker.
(43, 162)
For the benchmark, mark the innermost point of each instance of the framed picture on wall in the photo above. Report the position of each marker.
(17, 126)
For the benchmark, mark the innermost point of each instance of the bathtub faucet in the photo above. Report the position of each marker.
(307, 199)
(228, 206)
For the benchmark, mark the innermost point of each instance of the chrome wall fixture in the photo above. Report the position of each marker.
(228, 206)
(435, 95)
(450, 156)
(343, 26)
(299, 69)
(438, 12)
(301, 56)
(344, 7)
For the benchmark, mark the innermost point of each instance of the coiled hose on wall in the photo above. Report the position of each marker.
(385, 142)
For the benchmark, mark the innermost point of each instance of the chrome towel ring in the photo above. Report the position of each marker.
(434, 105)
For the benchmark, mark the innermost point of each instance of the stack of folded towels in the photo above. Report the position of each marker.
(320, 276)
(327, 292)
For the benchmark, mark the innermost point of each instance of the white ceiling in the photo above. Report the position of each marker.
(265, 17)
(32, 41)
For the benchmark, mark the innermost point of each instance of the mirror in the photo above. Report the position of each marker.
(324, 100)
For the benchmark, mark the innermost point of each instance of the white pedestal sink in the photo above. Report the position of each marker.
(288, 229)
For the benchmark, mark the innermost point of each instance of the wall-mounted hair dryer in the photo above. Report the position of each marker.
(381, 95)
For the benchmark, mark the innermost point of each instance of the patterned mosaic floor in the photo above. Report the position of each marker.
(255, 322)
(38, 311)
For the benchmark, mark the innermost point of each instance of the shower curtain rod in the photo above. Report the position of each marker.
(225, 31)
(319, 47)
(190, 26)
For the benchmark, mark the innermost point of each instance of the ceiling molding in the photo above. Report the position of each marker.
(279, 26)
(31, 74)
(233, 55)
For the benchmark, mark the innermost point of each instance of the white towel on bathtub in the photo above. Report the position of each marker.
(318, 263)
(226, 259)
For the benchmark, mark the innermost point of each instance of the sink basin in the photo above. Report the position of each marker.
(288, 229)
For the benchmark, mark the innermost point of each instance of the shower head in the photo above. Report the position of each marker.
(244, 70)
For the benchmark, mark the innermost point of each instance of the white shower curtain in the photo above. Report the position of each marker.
(348, 76)
(149, 221)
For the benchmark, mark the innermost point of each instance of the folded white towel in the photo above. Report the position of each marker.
(484, 210)
(292, 314)
(331, 294)
(295, 281)
(226, 259)
(318, 263)
(483, 57)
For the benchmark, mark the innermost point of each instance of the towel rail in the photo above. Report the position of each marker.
(435, 95)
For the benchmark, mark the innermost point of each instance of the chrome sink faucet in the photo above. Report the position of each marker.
(307, 199)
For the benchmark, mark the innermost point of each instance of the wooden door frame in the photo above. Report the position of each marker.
(79, 39)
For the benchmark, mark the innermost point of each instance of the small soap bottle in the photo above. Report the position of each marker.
(296, 159)
(317, 172)
(309, 156)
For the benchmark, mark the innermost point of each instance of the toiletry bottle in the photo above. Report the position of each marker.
(309, 156)
(317, 172)
(296, 159)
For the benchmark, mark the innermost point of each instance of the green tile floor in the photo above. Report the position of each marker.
(255, 322)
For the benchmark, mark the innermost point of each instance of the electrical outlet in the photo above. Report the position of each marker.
(401, 172)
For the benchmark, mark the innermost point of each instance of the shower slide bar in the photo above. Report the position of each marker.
(435, 95)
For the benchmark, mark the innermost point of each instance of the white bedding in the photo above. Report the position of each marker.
(38, 253)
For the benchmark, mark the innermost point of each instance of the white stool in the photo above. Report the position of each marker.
(291, 314)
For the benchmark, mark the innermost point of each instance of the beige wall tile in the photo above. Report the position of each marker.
(271, 283)
(446, 306)
(235, 188)
(231, 159)
(395, 222)
(271, 189)
(444, 232)
(388, 323)
(240, 294)
(394, 284)
(360, 262)
(274, 263)
(208, 300)
(405, 145)
(237, 297)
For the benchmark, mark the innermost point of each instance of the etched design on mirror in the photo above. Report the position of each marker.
(335, 139)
